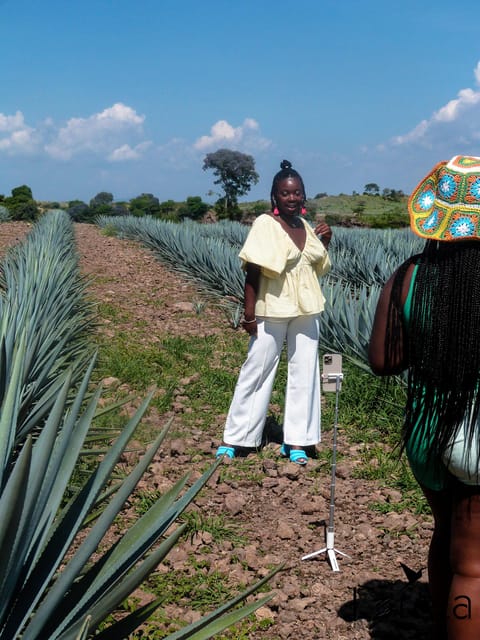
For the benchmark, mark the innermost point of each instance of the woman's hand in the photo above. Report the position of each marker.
(250, 326)
(323, 230)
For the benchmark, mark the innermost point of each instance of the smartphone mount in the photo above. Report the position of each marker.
(329, 378)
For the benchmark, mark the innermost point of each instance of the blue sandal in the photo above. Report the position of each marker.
(285, 450)
(298, 456)
(228, 452)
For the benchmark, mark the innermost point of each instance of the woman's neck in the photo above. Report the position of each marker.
(292, 220)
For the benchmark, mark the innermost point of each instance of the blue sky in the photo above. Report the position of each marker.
(128, 96)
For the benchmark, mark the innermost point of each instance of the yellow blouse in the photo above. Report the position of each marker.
(289, 285)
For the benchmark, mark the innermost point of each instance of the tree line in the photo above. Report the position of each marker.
(21, 206)
(234, 172)
(372, 189)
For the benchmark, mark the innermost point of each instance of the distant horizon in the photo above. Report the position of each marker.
(243, 200)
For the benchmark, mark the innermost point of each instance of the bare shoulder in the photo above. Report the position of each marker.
(405, 271)
(381, 362)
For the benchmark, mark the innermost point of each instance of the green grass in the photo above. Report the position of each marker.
(244, 470)
(216, 525)
(198, 372)
(245, 630)
(109, 231)
(369, 407)
(143, 500)
(112, 313)
(201, 588)
(250, 628)
(196, 521)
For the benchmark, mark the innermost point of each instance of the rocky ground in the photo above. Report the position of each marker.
(281, 509)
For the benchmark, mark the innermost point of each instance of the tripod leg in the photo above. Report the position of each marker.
(332, 558)
(314, 553)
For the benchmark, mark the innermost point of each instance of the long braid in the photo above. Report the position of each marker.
(396, 339)
(444, 345)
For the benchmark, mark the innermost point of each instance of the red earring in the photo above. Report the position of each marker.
(303, 211)
(276, 212)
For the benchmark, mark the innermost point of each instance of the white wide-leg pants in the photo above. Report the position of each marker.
(248, 410)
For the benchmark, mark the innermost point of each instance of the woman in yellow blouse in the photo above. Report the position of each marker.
(283, 258)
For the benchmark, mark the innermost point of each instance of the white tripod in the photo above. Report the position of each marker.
(332, 381)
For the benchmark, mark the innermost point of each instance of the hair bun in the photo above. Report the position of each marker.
(285, 164)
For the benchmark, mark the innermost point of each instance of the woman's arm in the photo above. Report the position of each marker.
(252, 280)
(389, 359)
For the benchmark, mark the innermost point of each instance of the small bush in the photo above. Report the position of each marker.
(391, 219)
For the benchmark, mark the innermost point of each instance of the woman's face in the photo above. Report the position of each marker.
(289, 196)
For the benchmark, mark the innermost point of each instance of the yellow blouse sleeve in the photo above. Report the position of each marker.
(323, 266)
(316, 252)
(266, 246)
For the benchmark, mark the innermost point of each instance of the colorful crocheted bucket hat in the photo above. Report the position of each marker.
(446, 204)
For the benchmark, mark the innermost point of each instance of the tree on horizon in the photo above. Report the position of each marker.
(235, 172)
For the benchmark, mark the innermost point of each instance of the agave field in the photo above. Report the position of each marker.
(362, 261)
(64, 570)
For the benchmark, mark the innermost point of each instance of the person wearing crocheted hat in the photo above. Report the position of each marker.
(446, 204)
(427, 322)
(283, 258)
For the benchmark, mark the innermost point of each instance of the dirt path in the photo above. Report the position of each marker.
(284, 512)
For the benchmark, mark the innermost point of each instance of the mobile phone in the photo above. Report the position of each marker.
(331, 371)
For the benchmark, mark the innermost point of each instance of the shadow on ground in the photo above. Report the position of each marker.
(395, 610)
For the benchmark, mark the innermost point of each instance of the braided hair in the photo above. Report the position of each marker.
(286, 171)
(443, 344)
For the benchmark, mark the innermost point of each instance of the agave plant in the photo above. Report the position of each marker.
(45, 316)
(369, 256)
(54, 583)
(49, 585)
(346, 321)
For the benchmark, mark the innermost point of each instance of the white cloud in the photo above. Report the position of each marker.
(477, 73)
(458, 119)
(16, 137)
(119, 113)
(10, 123)
(126, 152)
(223, 133)
(418, 132)
(453, 109)
(102, 133)
(113, 133)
